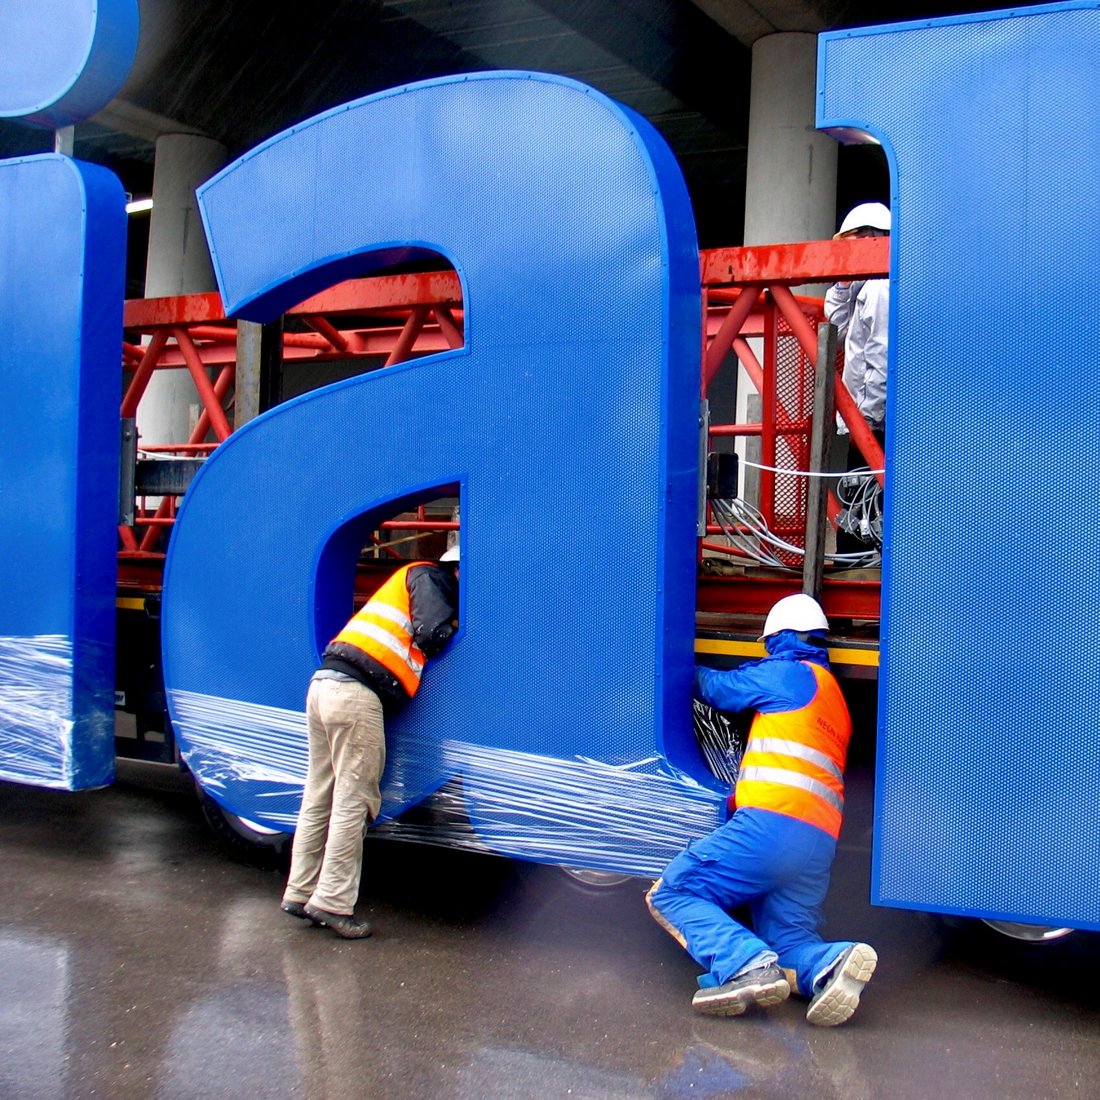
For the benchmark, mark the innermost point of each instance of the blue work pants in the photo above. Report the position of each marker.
(778, 867)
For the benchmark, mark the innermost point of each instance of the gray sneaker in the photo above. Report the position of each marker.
(838, 998)
(344, 925)
(766, 985)
(295, 909)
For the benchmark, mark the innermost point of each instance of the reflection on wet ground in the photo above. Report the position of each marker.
(137, 959)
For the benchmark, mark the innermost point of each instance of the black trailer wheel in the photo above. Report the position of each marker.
(589, 881)
(244, 839)
(1027, 933)
(1044, 957)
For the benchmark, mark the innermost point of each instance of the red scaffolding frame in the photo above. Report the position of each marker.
(747, 294)
(388, 319)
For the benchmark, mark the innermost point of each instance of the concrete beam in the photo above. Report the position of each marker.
(747, 22)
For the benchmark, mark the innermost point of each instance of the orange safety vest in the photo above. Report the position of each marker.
(794, 760)
(383, 630)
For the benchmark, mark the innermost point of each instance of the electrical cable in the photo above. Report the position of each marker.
(747, 530)
(806, 473)
(860, 497)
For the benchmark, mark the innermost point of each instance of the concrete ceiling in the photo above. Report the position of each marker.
(240, 72)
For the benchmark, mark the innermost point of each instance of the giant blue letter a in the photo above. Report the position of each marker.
(569, 420)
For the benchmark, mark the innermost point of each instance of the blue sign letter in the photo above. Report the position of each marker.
(569, 419)
(61, 284)
(62, 258)
(64, 60)
(988, 759)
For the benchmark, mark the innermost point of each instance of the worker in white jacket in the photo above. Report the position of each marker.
(861, 312)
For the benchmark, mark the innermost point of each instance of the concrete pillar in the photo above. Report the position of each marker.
(790, 177)
(178, 263)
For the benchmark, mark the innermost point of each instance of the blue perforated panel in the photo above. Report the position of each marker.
(569, 418)
(64, 60)
(989, 753)
(62, 243)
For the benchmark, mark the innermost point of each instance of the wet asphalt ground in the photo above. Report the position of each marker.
(137, 959)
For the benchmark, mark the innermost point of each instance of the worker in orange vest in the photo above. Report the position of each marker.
(372, 666)
(775, 853)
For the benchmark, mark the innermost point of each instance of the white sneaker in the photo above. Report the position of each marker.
(766, 985)
(839, 996)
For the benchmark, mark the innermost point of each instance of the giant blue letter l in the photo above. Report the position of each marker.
(988, 760)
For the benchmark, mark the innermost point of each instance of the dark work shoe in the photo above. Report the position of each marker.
(766, 985)
(346, 927)
(838, 996)
(295, 909)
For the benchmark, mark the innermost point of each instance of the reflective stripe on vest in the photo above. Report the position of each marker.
(361, 633)
(383, 630)
(794, 760)
(803, 752)
(794, 779)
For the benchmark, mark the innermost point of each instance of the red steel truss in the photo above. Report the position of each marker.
(751, 318)
(748, 304)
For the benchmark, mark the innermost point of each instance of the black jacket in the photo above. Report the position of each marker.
(433, 607)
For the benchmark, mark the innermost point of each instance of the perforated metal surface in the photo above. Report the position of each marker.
(794, 384)
(62, 240)
(64, 60)
(989, 740)
(569, 420)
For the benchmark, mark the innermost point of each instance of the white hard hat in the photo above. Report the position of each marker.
(867, 215)
(798, 612)
(450, 554)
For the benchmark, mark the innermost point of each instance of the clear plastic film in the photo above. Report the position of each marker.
(250, 758)
(721, 737)
(36, 710)
(626, 816)
(57, 721)
(630, 817)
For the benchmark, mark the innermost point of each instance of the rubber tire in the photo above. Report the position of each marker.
(1027, 933)
(588, 881)
(238, 838)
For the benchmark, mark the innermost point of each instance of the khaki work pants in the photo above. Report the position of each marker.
(347, 752)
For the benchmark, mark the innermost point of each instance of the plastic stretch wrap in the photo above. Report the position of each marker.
(631, 816)
(36, 725)
(230, 740)
(721, 737)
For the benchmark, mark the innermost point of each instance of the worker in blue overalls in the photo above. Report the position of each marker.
(775, 853)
